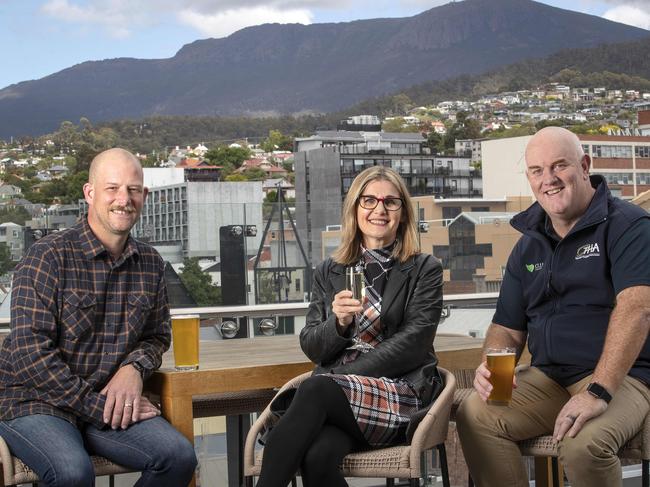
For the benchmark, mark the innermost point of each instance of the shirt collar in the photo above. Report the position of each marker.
(93, 248)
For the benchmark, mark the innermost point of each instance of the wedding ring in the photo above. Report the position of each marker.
(128, 405)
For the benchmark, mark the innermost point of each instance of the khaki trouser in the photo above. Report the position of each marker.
(489, 434)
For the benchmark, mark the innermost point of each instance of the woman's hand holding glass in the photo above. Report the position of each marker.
(345, 307)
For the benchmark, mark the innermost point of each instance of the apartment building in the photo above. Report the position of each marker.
(183, 219)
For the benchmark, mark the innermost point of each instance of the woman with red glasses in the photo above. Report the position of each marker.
(370, 396)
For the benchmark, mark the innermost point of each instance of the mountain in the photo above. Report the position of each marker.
(272, 69)
(623, 65)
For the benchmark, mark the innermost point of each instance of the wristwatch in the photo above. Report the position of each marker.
(599, 392)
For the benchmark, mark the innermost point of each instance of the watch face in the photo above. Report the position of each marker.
(599, 391)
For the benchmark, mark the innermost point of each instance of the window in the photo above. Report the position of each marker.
(642, 151)
(618, 177)
(450, 212)
(402, 166)
(643, 178)
(612, 151)
(297, 285)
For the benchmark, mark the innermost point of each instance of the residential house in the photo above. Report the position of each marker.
(271, 184)
(11, 234)
(271, 170)
(58, 172)
(9, 191)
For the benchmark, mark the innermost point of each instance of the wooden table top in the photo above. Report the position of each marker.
(223, 355)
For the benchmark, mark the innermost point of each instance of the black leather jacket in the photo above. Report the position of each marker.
(411, 306)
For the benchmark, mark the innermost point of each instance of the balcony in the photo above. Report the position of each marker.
(200, 239)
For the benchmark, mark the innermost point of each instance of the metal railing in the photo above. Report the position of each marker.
(217, 313)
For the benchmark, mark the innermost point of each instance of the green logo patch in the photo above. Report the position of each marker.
(530, 267)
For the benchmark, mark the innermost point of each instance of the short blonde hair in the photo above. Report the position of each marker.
(349, 251)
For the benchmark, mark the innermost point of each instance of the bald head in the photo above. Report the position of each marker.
(557, 139)
(111, 156)
(115, 194)
(558, 172)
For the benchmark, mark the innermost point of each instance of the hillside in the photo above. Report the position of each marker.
(279, 69)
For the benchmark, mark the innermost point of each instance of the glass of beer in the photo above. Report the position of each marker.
(185, 341)
(501, 364)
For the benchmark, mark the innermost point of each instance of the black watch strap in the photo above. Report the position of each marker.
(598, 391)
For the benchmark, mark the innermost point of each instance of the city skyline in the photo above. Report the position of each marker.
(42, 37)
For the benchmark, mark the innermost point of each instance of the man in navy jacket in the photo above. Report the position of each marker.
(577, 289)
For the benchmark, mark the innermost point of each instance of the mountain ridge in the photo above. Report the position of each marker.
(292, 68)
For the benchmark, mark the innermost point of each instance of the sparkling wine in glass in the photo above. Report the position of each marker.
(354, 282)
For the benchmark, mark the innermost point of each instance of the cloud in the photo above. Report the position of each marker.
(224, 23)
(115, 16)
(631, 15)
(216, 18)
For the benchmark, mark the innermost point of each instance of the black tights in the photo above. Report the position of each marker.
(315, 433)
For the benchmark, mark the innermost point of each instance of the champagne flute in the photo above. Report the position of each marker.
(354, 281)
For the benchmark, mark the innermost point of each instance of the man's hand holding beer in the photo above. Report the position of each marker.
(482, 381)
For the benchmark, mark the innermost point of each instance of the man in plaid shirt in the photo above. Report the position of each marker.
(89, 322)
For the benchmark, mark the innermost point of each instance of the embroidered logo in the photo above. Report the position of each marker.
(535, 267)
(588, 250)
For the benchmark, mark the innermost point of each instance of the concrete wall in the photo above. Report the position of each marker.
(211, 205)
(504, 168)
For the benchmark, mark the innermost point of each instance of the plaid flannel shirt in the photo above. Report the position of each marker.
(76, 318)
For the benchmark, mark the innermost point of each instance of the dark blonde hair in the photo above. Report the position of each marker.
(349, 250)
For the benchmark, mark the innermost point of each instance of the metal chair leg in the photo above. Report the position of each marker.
(111, 481)
(555, 472)
(645, 473)
(390, 482)
(444, 470)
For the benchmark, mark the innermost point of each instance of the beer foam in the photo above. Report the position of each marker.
(499, 354)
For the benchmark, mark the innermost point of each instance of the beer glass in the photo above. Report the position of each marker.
(501, 364)
(354, 282)
(185, 341)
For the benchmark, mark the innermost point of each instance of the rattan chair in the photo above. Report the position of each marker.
(638, 447)
(15, 472)
(404, 461)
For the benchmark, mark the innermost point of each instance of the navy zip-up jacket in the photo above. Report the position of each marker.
(563, 292)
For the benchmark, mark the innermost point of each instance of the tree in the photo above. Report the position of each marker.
(435, 142)
(276, 141)
(74, 185)
(199, 284)
(237, 177)
(6, 264)
(464, 128)
(255, 174)
(14, 214)
(223, 155)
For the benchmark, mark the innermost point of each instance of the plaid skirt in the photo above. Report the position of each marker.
(381, 406)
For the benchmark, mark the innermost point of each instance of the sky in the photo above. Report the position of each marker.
(41, 37)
